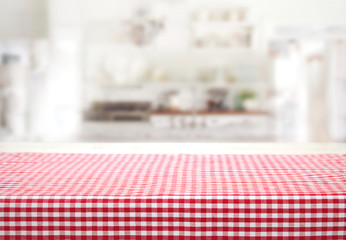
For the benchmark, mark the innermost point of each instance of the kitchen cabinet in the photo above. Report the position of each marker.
(184, 127)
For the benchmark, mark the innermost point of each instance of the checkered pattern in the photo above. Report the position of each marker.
(86, 196)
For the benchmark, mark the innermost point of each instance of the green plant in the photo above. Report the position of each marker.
(241, 97)
(246, 94)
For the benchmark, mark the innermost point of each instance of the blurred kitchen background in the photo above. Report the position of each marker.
(173, 70)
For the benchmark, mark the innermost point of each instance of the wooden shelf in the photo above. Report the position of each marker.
(209, 113)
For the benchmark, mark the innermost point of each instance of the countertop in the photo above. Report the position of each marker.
(176, 148)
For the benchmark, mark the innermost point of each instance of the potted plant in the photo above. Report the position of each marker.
(241, 97)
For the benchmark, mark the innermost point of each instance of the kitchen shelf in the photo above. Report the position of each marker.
(210, 113)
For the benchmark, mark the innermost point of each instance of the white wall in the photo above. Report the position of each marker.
(23, 18)
(306, 12)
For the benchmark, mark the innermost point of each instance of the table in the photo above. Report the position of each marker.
(112, 194)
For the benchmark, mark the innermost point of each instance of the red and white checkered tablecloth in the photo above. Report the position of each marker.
(103, 196)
